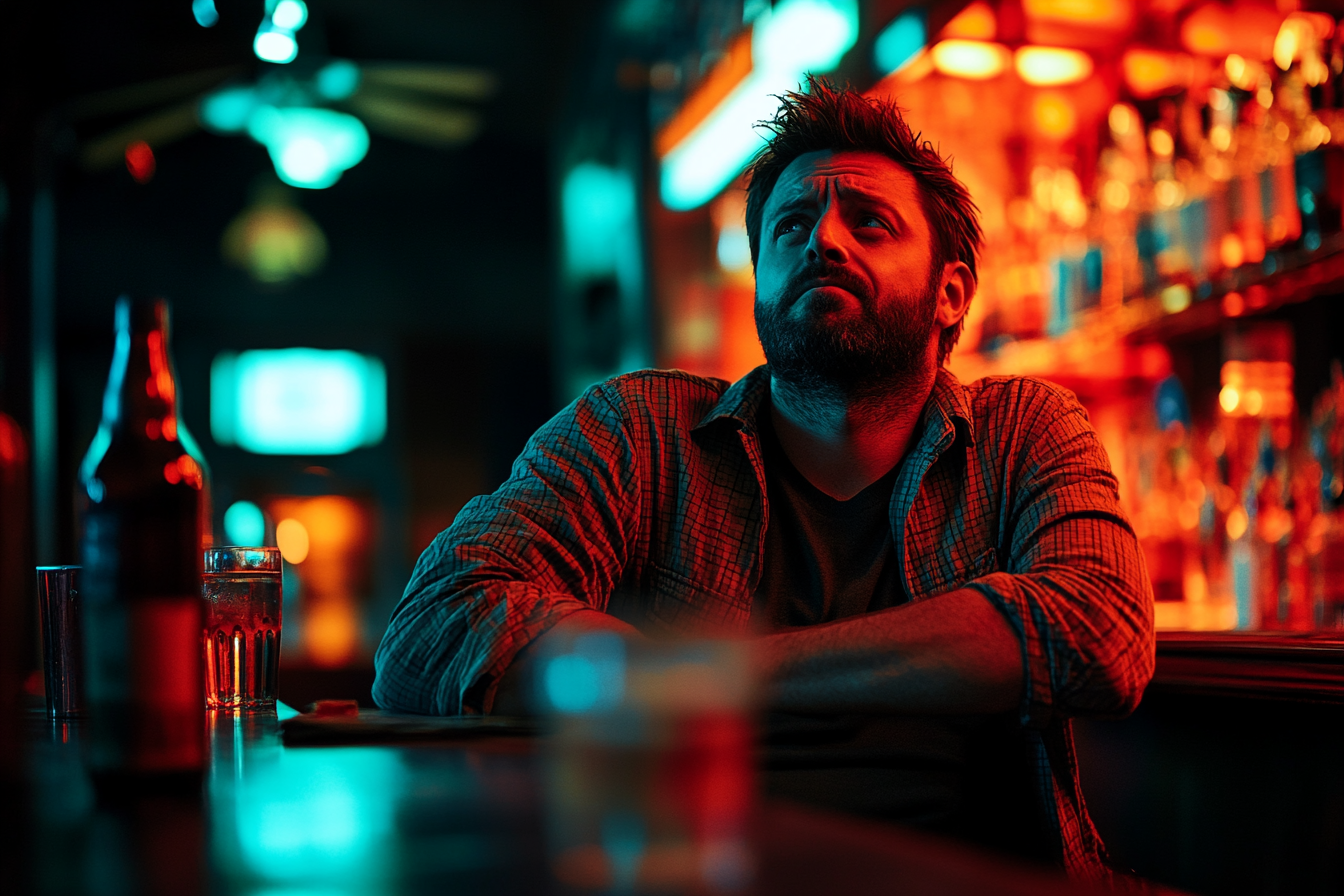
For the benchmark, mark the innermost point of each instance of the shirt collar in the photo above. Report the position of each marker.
(742, 401)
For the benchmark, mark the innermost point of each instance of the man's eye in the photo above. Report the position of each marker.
(788, 225)
(872, 221)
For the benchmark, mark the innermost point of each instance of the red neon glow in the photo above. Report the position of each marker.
(140, 161)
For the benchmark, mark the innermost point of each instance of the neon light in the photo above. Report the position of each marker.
(140, 161)
(901, 41)
(244, 524)
(598, 209)
(228, 110)
(290, 15)
(975, 60)
(298, 401)
(734, 249)
(205, 13)
(275, 45)
(337, 80)
(310, 148)
(797, 37)
(1052, 66)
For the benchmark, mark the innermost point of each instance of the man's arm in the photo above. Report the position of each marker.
(950, 653)
(1066, 629)
(549, 544)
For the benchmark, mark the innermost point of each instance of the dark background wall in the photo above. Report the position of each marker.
(440, 261)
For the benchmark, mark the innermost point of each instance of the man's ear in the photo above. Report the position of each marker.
(955, 292)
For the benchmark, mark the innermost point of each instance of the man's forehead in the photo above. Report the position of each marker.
(862, 173)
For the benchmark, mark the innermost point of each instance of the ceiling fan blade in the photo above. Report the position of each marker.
(430, 124)
(148, 93)
(450, 81)
(157, 130)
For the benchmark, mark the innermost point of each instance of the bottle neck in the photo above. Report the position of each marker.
(141, 397)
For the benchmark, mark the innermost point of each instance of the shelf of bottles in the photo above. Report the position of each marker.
(1149, 172)
(1175, 171)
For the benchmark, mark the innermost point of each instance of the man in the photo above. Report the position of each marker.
(937, 576)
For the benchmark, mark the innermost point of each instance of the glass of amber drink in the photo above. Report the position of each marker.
(241, 590)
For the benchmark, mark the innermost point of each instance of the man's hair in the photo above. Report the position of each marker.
(826, 118)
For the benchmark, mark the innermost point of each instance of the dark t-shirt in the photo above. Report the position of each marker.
(957, 774)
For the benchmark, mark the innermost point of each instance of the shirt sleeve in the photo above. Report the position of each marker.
(551, 541)
(1075, 587)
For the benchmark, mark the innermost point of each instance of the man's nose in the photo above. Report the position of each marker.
(828, 239)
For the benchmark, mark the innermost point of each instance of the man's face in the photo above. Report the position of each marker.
(846, 295)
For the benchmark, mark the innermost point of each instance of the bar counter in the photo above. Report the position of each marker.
(436, 816)
(1227, 780)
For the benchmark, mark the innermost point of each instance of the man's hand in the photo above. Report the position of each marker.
(511, 697)
(950, 653)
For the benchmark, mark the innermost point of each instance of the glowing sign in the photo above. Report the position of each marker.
(900, 41)
(298, 401)
(796, 37)
(598, 207)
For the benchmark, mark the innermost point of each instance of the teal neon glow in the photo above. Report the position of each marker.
(591, 678)
(901, 41)
(598, 208)
(228, 111)
(797, 37)
(275, 45)
(291, 15)
(298, 401)
(205, 13)
(734, 249)
(310, 148)
(320, 821)
(337, 80)
(245, 524)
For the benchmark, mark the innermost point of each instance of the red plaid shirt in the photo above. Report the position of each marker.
(646, 498)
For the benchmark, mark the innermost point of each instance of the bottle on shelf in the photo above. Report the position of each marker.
(144, 517)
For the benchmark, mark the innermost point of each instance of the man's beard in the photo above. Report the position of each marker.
(880, 350)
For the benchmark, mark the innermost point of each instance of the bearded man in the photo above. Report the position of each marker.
(936, 576)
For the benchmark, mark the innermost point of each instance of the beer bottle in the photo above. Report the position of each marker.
(144, 515)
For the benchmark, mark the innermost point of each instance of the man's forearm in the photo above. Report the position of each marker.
(951, 653)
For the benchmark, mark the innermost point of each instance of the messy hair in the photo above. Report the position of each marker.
(823, 117)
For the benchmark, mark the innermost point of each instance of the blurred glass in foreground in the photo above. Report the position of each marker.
(649, 772)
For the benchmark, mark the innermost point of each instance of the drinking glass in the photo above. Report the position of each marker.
(62, 639)
(242, 626)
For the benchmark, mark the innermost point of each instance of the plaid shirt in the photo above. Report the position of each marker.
(646, 498)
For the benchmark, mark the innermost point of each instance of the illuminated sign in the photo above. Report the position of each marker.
(796, 37)
(297, 401)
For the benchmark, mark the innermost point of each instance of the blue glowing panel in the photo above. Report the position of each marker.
(900, 41)
(298, 401)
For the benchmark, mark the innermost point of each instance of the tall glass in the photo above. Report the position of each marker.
(242, 627)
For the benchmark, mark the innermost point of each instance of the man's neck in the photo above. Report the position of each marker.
(844, 444)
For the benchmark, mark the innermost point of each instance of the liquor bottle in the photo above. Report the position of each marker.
(144, 515)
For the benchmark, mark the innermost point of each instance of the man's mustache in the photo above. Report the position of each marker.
(827, 275)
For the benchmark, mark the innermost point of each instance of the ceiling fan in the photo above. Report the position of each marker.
(311, 116)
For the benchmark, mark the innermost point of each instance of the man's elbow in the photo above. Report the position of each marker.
(1120, 683)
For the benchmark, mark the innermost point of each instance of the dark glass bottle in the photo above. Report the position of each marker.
(144, 515)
